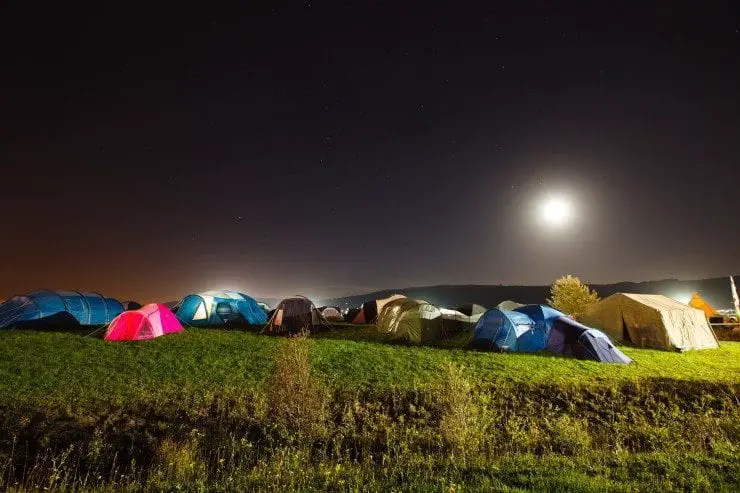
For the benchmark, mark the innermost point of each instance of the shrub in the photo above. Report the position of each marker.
(178, 463)
(463, 418)
(570, 436)
(569, 295)
(297, 403)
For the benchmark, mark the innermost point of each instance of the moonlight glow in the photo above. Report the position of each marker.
(556, 211)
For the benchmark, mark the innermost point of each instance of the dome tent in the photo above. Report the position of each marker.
(351, 314)
(461, 319)
(570, 338)
(217, 308)
(543, 315)
(471, 309)
(371, 309)
(411, 320)
(509, 305)
(700, 303)
(148, 322)
(331, 313)
(295, 315)
(509, 331)
(265, 307)
(58, 309)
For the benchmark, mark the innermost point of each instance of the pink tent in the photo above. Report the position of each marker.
(147, 322)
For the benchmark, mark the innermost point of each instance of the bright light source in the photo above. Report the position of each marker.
(682, 297)
(556, 211)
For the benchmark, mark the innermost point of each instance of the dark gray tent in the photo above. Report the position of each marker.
(295, 315)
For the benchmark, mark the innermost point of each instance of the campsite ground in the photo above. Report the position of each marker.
(219, 409)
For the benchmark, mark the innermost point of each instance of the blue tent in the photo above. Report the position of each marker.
(509, 331)
(59, 308)
(570, 338)
(215, 308)
(542, 315)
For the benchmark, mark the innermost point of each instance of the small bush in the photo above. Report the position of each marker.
(178, 463)
(462, 422)
(523, 435)
(571, 296)
(297, 403)
(570, 436)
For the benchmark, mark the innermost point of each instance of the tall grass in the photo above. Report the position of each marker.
(296, 399)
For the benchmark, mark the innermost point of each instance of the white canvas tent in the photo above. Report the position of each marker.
(651, 320)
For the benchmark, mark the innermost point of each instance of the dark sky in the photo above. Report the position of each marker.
(336, 147)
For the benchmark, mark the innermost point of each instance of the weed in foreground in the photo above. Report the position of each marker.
(297, 402)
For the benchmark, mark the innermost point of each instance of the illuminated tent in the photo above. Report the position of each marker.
(58, 308)
(509, 331)
(217, 308)
(294, 315)
(148, 322)
(411, 320)
(651, 320)
(699, 303)
(331, 313)
(371, 309)
(570, 338)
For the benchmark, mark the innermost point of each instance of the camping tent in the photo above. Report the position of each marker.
(700, 303)
(265, 307)
(509, 331)
(570, 338)
(293, 315)
(148, 322)
(130, 305)
(650, 320)
(461, 321)
(331, 313)
(411, 320)
(351, 314)
(508, 305)
(371, 309)
(542, 315)
(214, 308)
(58, 308)
(471, 309)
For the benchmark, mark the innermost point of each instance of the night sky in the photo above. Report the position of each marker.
(329, 148)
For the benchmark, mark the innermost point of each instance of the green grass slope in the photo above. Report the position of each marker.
(49, 367)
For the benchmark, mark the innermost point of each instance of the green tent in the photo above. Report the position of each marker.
(411, 320)
(508, 305)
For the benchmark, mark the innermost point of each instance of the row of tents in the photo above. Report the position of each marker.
(643, 320)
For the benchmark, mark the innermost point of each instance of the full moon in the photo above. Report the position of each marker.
(556, 211)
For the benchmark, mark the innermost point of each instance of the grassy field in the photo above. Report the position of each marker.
(220, 409)
(62, 368)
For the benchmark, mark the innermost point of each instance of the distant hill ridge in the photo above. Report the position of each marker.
(716, 291)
